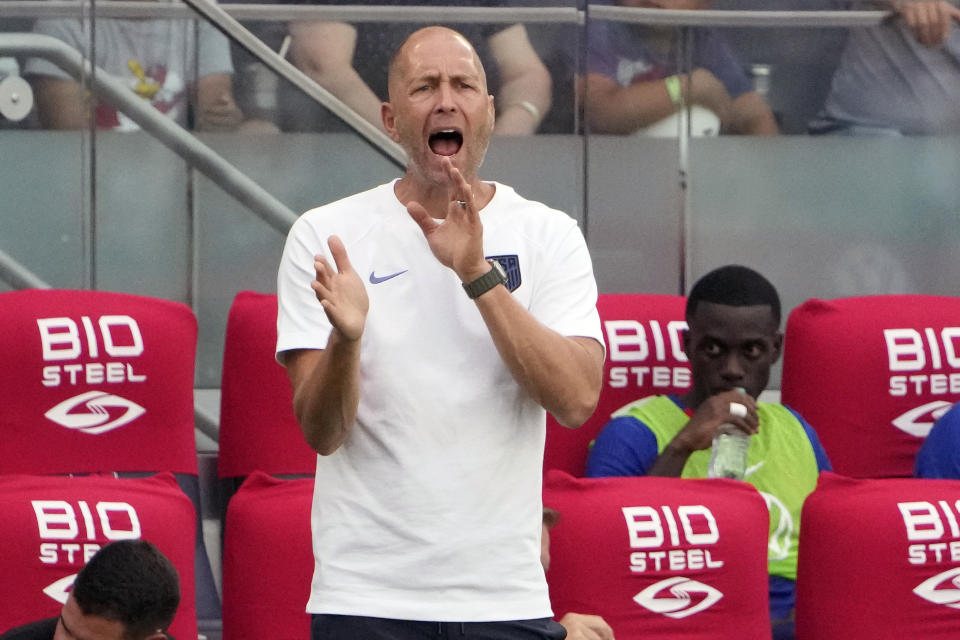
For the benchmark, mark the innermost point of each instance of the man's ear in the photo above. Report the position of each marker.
(685, 342)
(389, 121)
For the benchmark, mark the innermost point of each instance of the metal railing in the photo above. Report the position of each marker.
(17, 275)
(226, 18)
(288, 12)
(425, 15)
(168, 132)
(217, 16)
(723, 18)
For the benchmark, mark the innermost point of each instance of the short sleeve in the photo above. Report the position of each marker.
(301, 321)
(566, 298)
(214, 52)
(823, 462)
(64, 29)
(601, 57)
(714, 55)
(939, 456)
(624, 447)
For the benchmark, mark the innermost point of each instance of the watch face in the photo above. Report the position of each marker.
(499, 269)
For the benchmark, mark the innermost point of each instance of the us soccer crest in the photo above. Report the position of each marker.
(510, 264)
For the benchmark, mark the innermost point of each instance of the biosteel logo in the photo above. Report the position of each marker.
(923, 363)
(71, 533)
(642, 354)
(95, 412)
(686, 597)
(675, 539)
(111, 345)
(932, 591)
(919, 420)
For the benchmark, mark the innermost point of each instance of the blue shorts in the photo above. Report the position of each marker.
(335, 627)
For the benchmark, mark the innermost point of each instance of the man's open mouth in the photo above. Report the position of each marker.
(446, 142)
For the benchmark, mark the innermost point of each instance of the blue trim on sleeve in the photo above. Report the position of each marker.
(939, 455)
(823, 462)
(624, 447)
(781, 597)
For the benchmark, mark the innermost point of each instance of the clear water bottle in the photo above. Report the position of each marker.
(728, 454)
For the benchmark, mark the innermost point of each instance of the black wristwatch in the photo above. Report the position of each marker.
(496, 275)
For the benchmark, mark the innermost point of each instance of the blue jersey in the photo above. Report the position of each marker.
(939, 456)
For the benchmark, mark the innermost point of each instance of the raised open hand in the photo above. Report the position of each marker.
(457, 241)
(341, 292)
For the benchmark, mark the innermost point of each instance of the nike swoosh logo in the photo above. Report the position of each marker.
(377, 280)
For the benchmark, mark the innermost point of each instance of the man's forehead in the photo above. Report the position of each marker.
(438, 51)
(740, 320)
(82, 626)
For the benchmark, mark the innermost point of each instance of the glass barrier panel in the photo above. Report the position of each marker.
(857, 196)
(664, 194)
(633, 115)
(46, 231)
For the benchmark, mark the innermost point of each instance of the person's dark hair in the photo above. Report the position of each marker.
(131, 582)
(550, 517)
(734, 286)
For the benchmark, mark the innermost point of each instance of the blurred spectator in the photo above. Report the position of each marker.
(899, 78)
(351, 62)
(634, 78)
(174, 64)
(579, 626)
(128, 590)
(939, 456)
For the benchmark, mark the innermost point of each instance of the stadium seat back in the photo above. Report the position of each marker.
(660, 557)
(878, 560)
(267, 559)
(644, 339)
(872, 374)
(102, 382)
(258, 430)
(51, 526)
(96, 382)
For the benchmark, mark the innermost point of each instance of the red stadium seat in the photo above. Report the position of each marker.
(268, 560)
(96, 381)
(258, 430)
(643, 335)
(660, 557)
(267, 552)
(879, 560)
(50, 527)
(99, 382)
(872, 374)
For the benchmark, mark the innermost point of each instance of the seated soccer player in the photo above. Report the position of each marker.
(129, 590)
(733, 339)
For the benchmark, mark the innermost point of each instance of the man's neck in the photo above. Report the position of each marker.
(436, 198)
